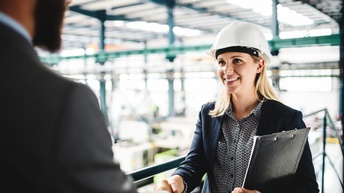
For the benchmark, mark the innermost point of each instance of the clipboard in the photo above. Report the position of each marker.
(274, 156)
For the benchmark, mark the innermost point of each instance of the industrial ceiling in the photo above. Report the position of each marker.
(130, 24)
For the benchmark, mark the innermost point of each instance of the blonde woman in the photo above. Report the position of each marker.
(246, 107)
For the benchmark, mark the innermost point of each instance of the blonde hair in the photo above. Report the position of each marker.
(263, 89)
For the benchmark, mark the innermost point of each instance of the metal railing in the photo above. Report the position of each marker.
(145, 175)
(327, 124)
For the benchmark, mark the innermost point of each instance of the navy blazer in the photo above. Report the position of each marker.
(275, 117)
(54, 137)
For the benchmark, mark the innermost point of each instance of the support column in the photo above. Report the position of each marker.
(275, 35)
(341, 76)
(182, 83)
(274, 25)
(170, 72)
(102, 87)
(145, 67)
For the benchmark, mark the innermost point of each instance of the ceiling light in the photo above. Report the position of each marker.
(320, 32)
(293, 34)
(162, 28)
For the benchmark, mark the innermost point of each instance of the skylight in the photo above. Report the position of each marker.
(264, 7)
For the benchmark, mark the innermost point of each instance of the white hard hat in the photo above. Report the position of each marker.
(243, 35)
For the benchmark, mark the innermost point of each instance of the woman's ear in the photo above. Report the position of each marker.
(260, 65)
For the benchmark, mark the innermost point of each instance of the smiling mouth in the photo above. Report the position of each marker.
(231, 80)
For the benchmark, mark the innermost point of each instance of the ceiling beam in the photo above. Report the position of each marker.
(276, 44)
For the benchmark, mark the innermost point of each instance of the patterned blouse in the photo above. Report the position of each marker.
(234, 149)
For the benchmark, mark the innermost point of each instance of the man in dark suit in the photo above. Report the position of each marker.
(53, 137)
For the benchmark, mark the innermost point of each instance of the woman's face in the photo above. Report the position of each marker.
(238, 72)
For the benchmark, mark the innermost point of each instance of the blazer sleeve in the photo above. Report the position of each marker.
(82, 150)
(193, 168)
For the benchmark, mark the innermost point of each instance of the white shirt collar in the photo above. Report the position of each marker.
(7, 20)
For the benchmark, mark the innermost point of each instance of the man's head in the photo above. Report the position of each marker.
(49, 16)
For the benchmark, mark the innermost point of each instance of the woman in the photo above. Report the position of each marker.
(247, 106)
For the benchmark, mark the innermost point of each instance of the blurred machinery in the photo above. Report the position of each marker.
(140, 144)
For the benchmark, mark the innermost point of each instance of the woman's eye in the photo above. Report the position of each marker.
(221, 63)
(236, 61)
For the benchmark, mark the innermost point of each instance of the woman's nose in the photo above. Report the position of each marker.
(228, 69)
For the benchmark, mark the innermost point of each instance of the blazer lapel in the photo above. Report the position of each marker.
(212, 148)
(264, 125)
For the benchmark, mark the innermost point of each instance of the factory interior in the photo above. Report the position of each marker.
(146, 61)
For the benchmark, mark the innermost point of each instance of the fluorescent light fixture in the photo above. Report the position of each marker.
(90, 51)
(305, 33)
(320, 32)
(293, 34)
(115, 23)
(162, 28)
(74, 52)
(145, 26)
(186, 31)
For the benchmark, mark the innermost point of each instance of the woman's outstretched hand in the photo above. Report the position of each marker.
(174, 184)
(243, 190)
(163, 187)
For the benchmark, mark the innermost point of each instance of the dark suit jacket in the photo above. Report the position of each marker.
(53, 136)
(275, 117)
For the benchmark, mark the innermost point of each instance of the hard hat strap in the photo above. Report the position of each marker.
(246, 50)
